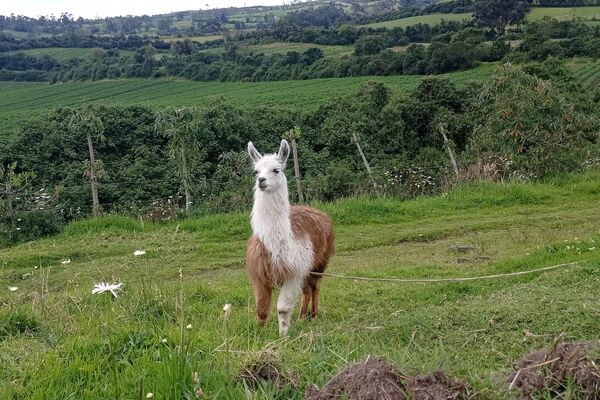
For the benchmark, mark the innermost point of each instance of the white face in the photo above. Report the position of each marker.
(269, 173)
(268, 169)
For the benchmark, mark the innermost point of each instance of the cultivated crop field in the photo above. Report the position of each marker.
(21, 99)
(59, 341)
(588, 74)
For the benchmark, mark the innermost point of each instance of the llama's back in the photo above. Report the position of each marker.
(316, 225)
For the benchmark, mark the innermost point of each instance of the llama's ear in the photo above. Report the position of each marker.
(254, 155)
(284, 152)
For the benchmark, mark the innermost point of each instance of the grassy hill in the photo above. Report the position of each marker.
(430, 19)
(62, 53)
(58, 340)
(566, 14)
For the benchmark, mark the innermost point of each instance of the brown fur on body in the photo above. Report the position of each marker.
(265, 275)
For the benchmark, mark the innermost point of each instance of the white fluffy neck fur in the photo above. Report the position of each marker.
(271, 223)
(271, 220)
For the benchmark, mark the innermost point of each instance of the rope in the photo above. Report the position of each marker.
(435, 280)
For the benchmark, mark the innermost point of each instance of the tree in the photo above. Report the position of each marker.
(368, 45)
(12, 184)
(292, 135)
(497, 14)
(84, 121)
(180, 126)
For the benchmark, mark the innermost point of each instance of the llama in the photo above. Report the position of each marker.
(287, 244)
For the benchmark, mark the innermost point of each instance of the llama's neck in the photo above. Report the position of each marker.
(271, 220)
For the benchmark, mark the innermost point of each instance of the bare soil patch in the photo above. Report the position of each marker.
(574, 365)
(267, 368)
(376, 378)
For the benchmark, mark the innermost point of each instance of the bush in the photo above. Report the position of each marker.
(534, 124)
(24, 226)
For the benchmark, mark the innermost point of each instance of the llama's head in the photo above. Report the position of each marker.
(269, 169)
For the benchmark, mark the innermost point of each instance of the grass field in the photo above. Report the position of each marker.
(430, 19)
(564, 13)
(200, 39)
(61, 54)
(59, 341)
(283, 47)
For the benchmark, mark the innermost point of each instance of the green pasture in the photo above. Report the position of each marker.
(59, 341)
(429, 19)
(564, 13)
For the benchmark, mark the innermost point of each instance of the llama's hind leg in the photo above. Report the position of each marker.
(314, 298)
(262, 296)
(306, 296)
(286, 302)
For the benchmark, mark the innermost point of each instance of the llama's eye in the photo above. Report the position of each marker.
(255, 172)
(276, 171)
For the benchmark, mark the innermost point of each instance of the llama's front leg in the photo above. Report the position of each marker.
(288, 296)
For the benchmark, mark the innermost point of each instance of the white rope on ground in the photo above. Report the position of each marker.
(436, 280)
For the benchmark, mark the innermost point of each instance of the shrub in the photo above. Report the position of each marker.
(23, 226)
(532, 123)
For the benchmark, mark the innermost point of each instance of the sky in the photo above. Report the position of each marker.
(104, 8)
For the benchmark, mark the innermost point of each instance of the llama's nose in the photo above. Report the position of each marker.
(261, 180)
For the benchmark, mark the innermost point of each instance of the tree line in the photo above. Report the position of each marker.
(371, 56)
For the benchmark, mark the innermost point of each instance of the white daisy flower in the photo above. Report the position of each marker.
(189, 326)
(139, 252)
(149, 395)
(13, 288)
(227, 311)
(65, 262)
(107, 287)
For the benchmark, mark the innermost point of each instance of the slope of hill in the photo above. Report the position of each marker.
(588, 14)
(59, 340)
(430, 19)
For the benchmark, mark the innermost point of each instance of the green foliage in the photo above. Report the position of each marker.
(533, 123)
(24, 226)
(368, 45)
(499, 13)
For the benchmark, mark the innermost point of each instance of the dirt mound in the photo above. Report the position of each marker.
(438, 386)
(575, 364)
(376, 378)
(267, 368)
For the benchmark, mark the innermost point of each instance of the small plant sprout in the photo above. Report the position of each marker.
(107, 287)
(139, 252)
(65, 262)
(12, 288)
(227, 311)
